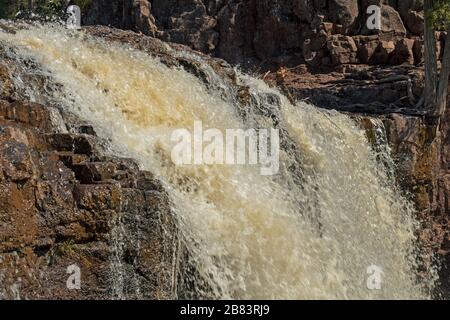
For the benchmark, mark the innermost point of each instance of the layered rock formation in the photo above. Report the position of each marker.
(64, 201)
(269, 34)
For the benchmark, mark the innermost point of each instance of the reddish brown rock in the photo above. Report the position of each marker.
(391, 20)
(264, 33)
(142, 17)
(343, 50)
(62, 203)
(15, 161)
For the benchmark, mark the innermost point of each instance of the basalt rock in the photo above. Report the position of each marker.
(65, 205)
(266, 34)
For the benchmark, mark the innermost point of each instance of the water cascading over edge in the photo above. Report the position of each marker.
(310, 232)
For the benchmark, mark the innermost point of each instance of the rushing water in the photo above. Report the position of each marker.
(312, 231)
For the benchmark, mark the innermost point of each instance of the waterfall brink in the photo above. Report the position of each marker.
(314, 231)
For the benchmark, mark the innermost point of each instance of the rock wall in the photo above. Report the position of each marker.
(272, 33)
(63, 201)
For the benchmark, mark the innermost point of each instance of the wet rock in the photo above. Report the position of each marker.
(70, 159)
(97, 197)
(86, 129)
(63, 203)
(15, 161)
(92, 172)
(29, 114)
(79, 144)
(78, 219)
(146, 181)
(133, 201)
(6, 85)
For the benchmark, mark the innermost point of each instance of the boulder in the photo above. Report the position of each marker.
(62, 202)
(390, 18)
(391, 21)
(344, 12)
(263, 34)
(142, 19)
(342, 49)
(235, 33)
(277, 31)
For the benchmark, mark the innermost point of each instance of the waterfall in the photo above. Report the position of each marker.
(313, 231)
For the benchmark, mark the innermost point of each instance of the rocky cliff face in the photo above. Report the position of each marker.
(62, 203)
(269, 34)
